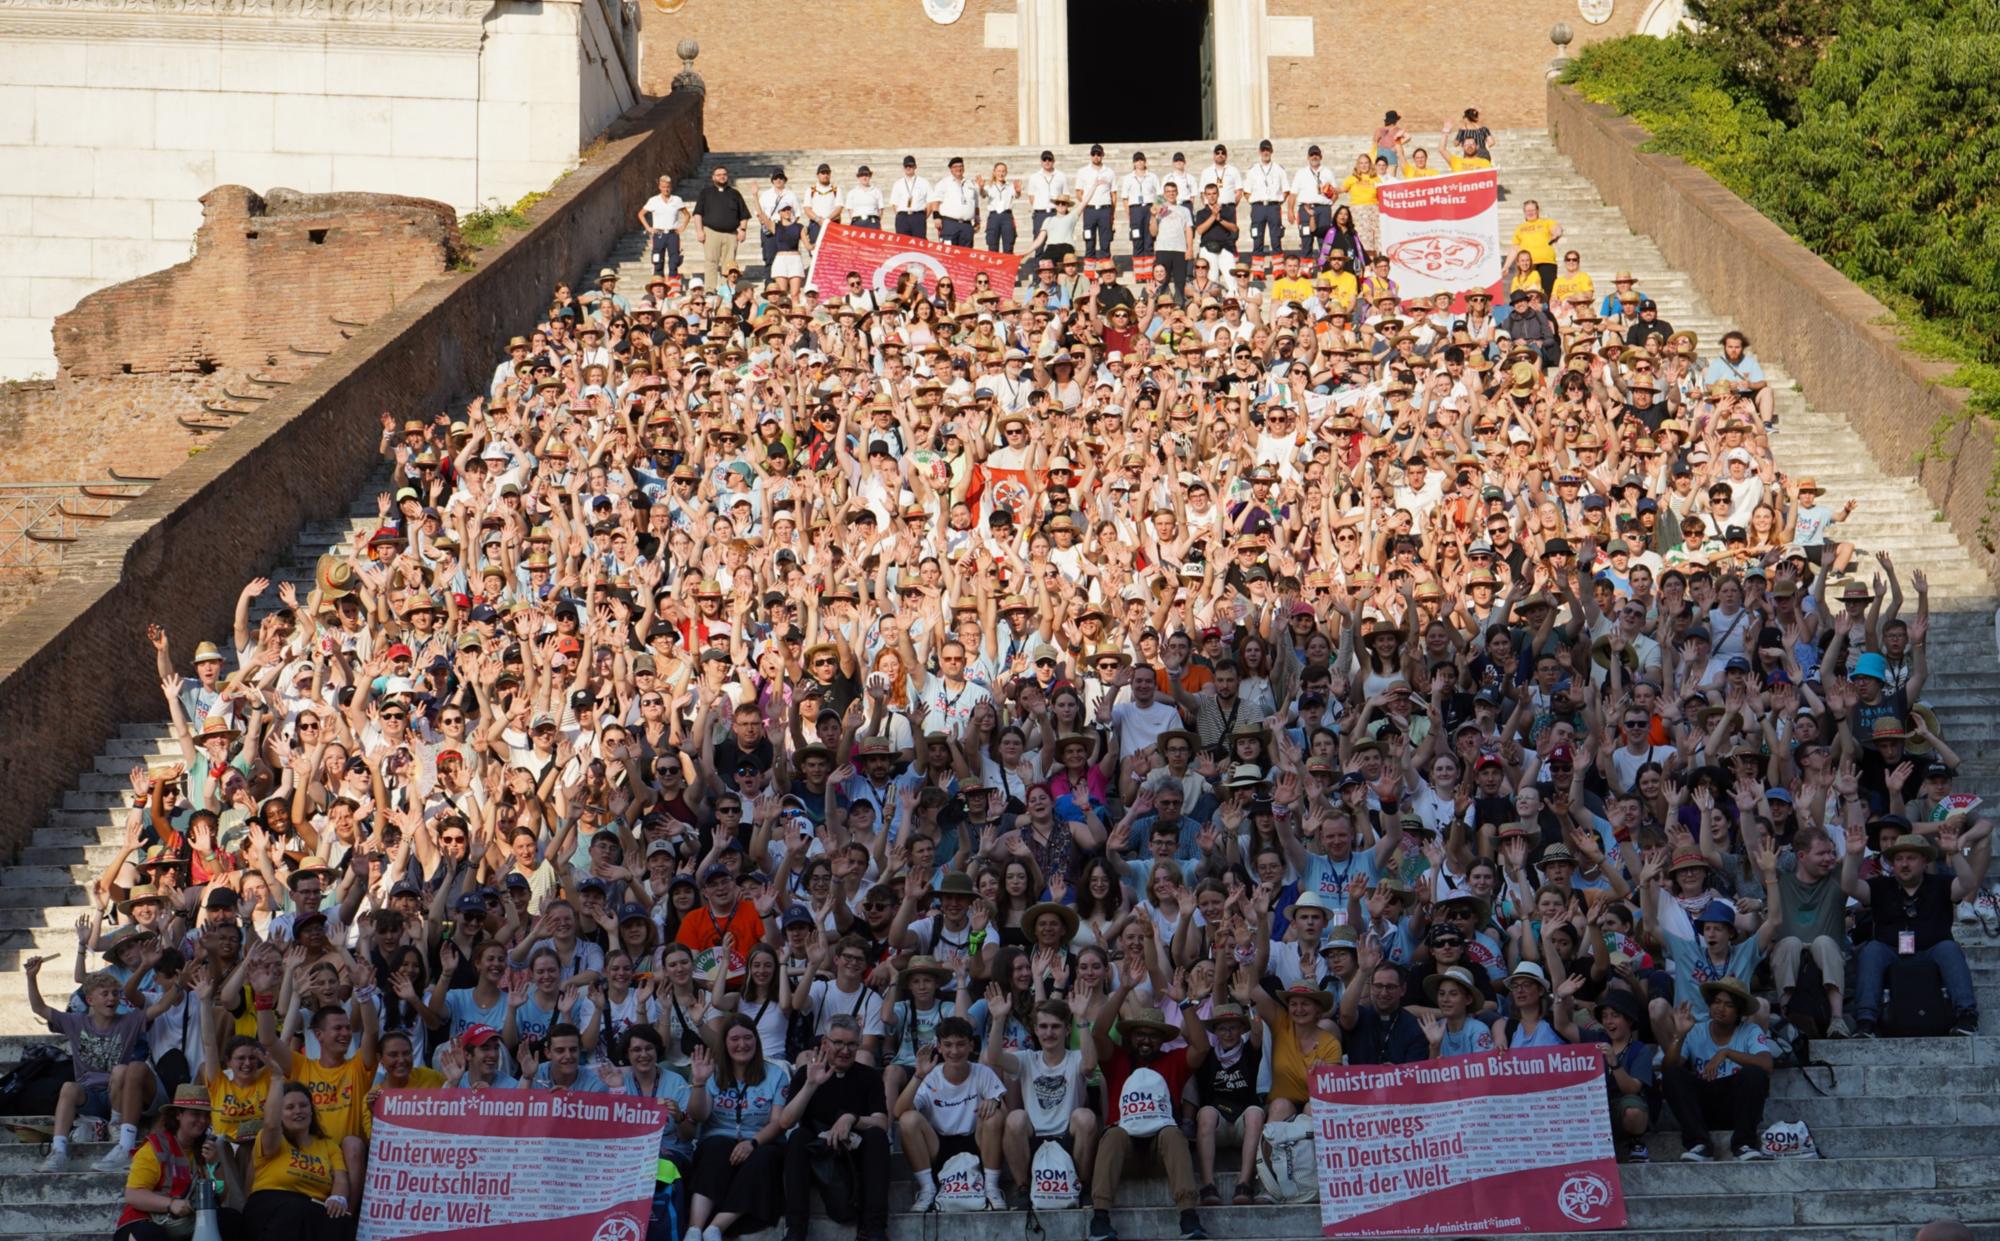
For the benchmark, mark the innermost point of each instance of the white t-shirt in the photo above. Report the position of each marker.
(829, 1001)
(1050, 1092)
(953, 1107)
(1139, 727)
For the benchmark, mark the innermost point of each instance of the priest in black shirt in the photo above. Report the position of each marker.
(830, 1103)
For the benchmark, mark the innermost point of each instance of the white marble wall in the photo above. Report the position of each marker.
(117, 115)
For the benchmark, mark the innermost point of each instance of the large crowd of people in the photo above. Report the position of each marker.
(937, 723)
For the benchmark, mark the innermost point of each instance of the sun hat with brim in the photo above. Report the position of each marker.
(1147, 1019)
(1225, 1012)
(1454, 974)
(928, 965)
(1600, 653)
(1244, 776)
(1530, 971)
(1308, 900)
(217, 726)
(1069, 739)
(1033, 914)
(324, 872)
(1176, 734)
(124, 935)
(1343, 938)
(190, 1097)
(1732, 987)
(1689, 861)
(1305, 990)
(1910, 842)
(1557, 852)
(139, 896)
(954, 883)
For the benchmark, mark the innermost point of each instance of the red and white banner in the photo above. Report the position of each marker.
(1514, 1141)
(511, 1165)
(881, 256)
(1442, 234)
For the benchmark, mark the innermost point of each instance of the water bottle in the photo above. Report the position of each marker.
(202, 1199)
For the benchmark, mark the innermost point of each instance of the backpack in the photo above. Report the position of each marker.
(1917, 1005)
(1144, 1107)
(1789, 1139)
(32, 1087)
(833, 1174)
(1808, 1011)
(961, 1184)
(1053, 1182)
(1287, 1165)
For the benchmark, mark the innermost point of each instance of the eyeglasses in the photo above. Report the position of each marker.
(652, 702)
(308, 726)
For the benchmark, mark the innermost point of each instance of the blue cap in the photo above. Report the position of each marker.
(594, 882)
(1649, 505)
(679, 880)
(797, 915)
(470, 903)
(1780, 794)
(1737, 664)
(1871, 664)
(1716, 911)
(482, 613)
(517, 880)
(633, 911)
(716, 871)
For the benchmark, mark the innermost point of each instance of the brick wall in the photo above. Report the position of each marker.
(1429, 63)
(1833, 337)
(828, 75)
(73, 665)
(268, 272)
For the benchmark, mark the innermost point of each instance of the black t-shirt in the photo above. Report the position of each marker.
(1927, 911)
(1639, 331)
(857, 1093)
(1218, 238)
(1649, 417)
(730, 755)
(1230, 1089)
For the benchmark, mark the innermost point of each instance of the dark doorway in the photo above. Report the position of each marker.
(1137, 70)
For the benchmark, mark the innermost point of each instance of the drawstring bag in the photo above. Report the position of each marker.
(1145, 1106)
(1053, 1179)
(961, 1184)
(1789, 1139)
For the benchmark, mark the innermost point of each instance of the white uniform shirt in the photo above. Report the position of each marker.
(1227, 178)
(1043, 187)
(666, 211)
(1182, 179)
(822, 201)
(771, 199)
(864, 202)
(1094, 183)
(1266, 182)
(1313, 185)
(956, 198)
(1139, 188)
(909, 194)
(999, 196)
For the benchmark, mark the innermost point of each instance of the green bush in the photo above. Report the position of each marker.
(1889, 172)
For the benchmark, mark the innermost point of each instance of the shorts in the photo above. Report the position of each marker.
(1229, 1129)
(950, 1144)
(1629, 1103)
(1062, 1139)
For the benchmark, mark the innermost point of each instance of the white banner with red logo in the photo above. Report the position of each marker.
(1442, 234)
(1512, 1141)
(511, 1165)
(881, 257)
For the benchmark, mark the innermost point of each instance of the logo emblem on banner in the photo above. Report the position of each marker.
(1583, 1197)
(1442, 234)
(1442, 256)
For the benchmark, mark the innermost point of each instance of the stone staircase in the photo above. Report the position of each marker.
(1911, 1129)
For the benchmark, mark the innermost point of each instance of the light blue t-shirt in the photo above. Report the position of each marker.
(1740, 374)
(673, 1090)
(1330, 878)
(1699, 1047)
(740, 1111)
(586, 1079)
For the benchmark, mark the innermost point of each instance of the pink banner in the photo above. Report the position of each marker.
(511, 1165)
(1513, 1141)
(880, 257)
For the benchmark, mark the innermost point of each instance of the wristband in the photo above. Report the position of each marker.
(366, 993)
(265, 1003)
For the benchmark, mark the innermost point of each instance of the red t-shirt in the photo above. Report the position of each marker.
(1171, 1065)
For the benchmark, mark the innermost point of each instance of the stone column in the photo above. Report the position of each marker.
(1242, 71)
(1043, 56)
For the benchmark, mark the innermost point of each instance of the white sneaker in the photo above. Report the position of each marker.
(86, 1129)
(58, 1161)
(113, 1160)
(926, 1195)
(711, 1233)
(996, 1198)
(1966, 913)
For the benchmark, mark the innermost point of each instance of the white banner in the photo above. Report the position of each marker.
(1442, 234)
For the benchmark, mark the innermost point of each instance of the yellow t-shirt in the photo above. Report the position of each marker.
(1568, 286)
(421, 1078)
(1360, 190)
(1341, 287)
(304, 1169)
(1467, 163)
(1290, 289)
(232, 1104)
(1534, 237)
(1411, 172)
(1523, 280)
(338, 1093)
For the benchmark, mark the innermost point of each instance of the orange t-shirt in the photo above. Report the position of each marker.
(700, 931)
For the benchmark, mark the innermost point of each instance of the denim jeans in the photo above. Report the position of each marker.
(1876, 957)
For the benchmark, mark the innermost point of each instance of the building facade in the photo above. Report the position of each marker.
(117, 116)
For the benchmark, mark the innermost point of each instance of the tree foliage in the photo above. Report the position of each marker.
(1766, 47)
(1890, 169)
